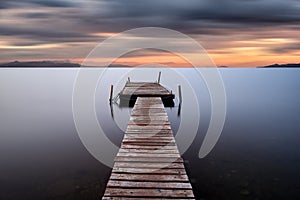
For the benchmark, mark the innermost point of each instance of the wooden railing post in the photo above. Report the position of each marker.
(111, 94)
(159, 75)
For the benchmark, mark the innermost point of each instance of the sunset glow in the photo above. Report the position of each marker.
(69, 30)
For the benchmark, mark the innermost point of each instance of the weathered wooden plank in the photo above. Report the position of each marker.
(147, 140)
(151, 140)
(137, 84)
(150, 143)
(154, 185)
(144, 90)
(148, 136)
(148, 198)
(152, 155)
(149, 165)
(138, 134)
(158, 130)
(165, 137)
(150, 177)
(148, 123)
(163, 151)
(148, 147)
(159, 141)
(148, 128)
(154, 104)
(149, 159)
(144, 124)
(152, 100)
(149, 110)
(151, 127)
(119, 192)
(144, 86)
(152, 114)
(148, 171)
(149, 131)
(156, 118)
(162, 144)
(150, 87)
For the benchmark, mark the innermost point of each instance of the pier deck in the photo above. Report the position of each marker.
(148, 164)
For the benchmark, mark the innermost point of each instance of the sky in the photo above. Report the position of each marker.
(235, 33)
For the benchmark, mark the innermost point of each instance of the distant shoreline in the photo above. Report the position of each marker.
(50, 64)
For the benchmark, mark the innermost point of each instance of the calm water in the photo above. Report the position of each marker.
(256, 157)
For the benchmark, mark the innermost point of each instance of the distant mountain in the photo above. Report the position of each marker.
(223, 66)
(57, 64)
(282, 66)
(120, 66)
(49, 64)
(38, 64)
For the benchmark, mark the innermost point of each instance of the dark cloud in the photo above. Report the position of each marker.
(215, 17)
(52, 3)
(146, 52)
(47, 3)
(205, 17)
(285, 49)
(38, 32)
(48, 34)
(36, 15)
(27, 43)
(237, 11)
(194, 13)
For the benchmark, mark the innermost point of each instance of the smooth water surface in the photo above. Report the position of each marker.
(256, 157)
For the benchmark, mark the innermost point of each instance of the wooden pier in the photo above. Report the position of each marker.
(132, 90)
(148, 164)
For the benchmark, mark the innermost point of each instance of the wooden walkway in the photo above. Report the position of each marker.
(148, 164)
(132, 90)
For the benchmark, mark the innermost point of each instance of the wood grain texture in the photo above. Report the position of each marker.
(148, 164)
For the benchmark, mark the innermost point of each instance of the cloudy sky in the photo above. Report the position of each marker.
(236, 33)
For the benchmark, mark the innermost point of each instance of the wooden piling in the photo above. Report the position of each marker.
(159, 75)
(111, 94)
(180, 94)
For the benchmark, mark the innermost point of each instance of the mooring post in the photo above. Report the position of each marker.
(159, 74)
(179, 92)
(111, 93)
(179, 110)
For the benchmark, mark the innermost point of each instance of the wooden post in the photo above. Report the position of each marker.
(179, 93)
(111, 110)
(179, 110)
(159, 74)
(111, 93)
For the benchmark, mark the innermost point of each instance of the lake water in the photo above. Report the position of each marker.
(256, 157)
